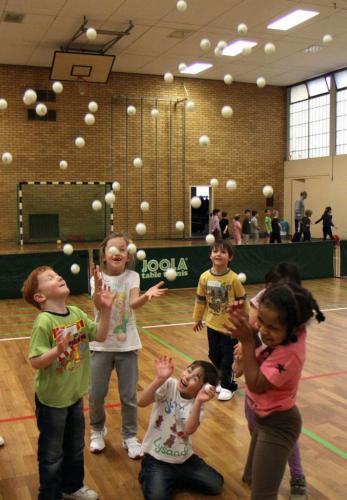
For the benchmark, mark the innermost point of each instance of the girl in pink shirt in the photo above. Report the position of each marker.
(272, 373)
(236, 228)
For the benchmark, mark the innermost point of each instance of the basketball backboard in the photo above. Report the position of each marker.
(77, 66)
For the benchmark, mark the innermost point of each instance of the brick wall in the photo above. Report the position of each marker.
(249, 147)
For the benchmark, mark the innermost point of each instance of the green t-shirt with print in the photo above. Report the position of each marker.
(268, 226)
(66, 380)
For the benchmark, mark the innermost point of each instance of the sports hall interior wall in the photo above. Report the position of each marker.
(250, 147)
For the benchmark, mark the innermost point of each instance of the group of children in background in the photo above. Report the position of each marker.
(249, 230)
(265, 341)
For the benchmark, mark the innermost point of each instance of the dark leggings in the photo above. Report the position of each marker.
(272, 442)
(327, 232)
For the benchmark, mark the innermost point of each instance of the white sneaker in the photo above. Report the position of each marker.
(97, 441)
(83, 493)
(134, 448)
(218, 388)
(2, 441)
(225, 395)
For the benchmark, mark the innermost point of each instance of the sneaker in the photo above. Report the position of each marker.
(298, 488)
(83, 493)
(218, 388)
(225, 394)
(134, 448)
(97, 441)
(2, 441)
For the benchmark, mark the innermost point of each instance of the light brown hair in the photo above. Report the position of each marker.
(130, 263)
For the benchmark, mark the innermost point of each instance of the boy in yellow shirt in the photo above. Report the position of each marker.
(217, 289)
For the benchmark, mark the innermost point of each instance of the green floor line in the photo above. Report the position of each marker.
(324, 443)
(312, 435)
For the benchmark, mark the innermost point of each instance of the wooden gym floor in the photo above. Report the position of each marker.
(222, 439)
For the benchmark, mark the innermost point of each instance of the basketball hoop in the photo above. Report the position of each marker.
(82, 85)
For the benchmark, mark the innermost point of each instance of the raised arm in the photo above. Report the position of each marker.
(193, 420)
(164, 369)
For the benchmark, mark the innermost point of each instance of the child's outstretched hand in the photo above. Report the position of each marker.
(103, 298)
(62, 341)
(206, 393)
(164, 367)
(156, 291)
(241, 329)
(198, 326)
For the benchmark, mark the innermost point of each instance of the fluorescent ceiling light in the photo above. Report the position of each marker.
(195, 68)
(236, 48)
(293, 19)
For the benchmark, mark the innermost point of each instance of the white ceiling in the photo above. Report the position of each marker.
(49, 24)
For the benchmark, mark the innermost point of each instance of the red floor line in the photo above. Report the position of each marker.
(117, 405)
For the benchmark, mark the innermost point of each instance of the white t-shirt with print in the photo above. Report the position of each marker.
(122, 334)
(165, 439)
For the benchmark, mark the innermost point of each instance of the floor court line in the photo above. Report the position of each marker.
(312, 435)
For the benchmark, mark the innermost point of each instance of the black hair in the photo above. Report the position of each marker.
(210, 373)
(224, 214)
(327, 209)
(215, 211)
(284, 272)
(254, 212)
(223, 244)
(247, 210)
(294, 304)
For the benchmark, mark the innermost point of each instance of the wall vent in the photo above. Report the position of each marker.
(13, 17)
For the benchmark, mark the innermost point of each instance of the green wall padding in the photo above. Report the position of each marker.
(343, 258)
(15, 268)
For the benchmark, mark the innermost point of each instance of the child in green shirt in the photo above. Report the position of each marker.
(267, 223)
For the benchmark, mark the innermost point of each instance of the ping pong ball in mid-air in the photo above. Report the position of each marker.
(96, 205)
(89, 119)
(214, 183)
(242, 277)
(93, 106)
(269, 48)
(116, 186)
(204, 140)
(261, 82)
(131, 248)
(227, 111)
(179, 225)
(242, 29)
(68, 249)
(41, 109)
(112, 250)
(91, 33)
(190, 105)
(195, 202)
(80, 142)
(205, 44)
(141, 255)
(231, 185)
(6, 157)
(75, 268)
(170, 274)
(228, 79)
(268, 191)
(29, 97)
(131, 110)
(110, 198)
(181, 67)
(57, 87)
(141, 228)
(155, 113)
(168, 77)
(327, 39)
(3, 104)
(181, 5)
(144, 206)
(137, 162)
(63, 164)
(210, 239)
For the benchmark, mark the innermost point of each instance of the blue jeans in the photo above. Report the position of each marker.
(160, 479)
(60, 449)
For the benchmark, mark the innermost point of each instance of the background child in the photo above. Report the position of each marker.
(327, 219)
(59, 351)
(254, 226)
(275, 228)
(119, 351)
(215, 228)
(267, 224)
(2, 441)
(170, 463)
(217, 288)
(284, 272)
(272, 373)
(224, 226)
(236, 228)
(246, 226)
(306, 224)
